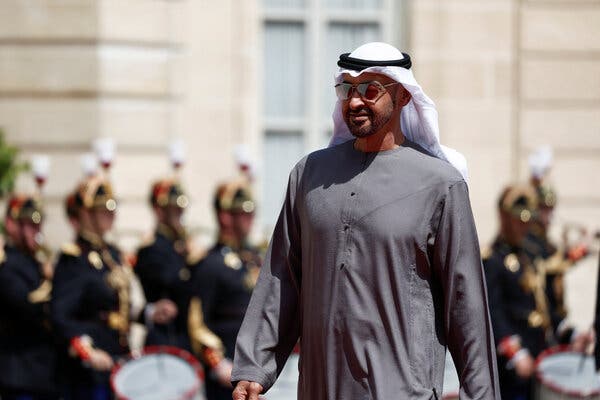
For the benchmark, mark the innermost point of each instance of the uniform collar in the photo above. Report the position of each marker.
(90, 239)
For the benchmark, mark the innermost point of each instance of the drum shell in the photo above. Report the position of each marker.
(196, 386)
(547, 389)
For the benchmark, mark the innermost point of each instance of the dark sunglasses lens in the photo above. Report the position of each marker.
(369, 91)
(342, 90)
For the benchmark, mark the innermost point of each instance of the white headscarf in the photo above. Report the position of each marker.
(418, 118)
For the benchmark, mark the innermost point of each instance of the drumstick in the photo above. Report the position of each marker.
(582, 358)
(584, 354)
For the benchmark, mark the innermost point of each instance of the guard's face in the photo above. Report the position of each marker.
(545, 216)
(30, 233)
(13, 231)
(515, 229)
(174, 217)
(362, 115)
(104, 220)
(242, 223)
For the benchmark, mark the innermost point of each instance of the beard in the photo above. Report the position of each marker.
(370, 122)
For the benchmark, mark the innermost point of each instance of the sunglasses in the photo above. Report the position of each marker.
(370, 92)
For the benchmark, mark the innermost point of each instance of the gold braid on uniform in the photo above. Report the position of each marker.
(204, 342)
(534, 280)
(556, 264)
(42, 294)
(118, 278)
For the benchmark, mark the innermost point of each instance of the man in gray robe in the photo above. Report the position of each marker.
(374, 263)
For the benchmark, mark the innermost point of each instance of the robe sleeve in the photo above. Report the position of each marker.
(457, 261)
(271, 325)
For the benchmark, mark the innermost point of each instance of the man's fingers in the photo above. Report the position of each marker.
(240, 391)
(254, 389)
(247, 391)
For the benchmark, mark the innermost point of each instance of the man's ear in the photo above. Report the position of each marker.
(403, 96)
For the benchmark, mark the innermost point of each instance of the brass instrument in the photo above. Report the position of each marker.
(576, 241)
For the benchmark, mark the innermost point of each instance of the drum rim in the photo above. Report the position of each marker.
(550, 385)
(148, 350)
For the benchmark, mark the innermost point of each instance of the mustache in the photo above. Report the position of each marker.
(360, 113)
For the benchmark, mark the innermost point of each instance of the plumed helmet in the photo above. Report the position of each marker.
(234, 196)
(168, 192)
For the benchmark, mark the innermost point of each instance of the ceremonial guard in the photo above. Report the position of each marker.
(27, 348)
(91, 296)
(163, 267)
(554, 260)
(222, 284)
(520, 298)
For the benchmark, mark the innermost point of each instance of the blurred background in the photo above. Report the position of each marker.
(507, 76)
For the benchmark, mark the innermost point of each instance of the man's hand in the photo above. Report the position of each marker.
(100, 360)
(247, 391)
(525, 366)
(164, 311)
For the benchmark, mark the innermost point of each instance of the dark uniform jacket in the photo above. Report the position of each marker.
(515, 277)
(512, 301)
(164, 274)
(84, 303)
(513, 274)
(27, 348)
(223, 281)
(555, 264)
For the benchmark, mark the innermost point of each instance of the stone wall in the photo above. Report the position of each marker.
(508, 76)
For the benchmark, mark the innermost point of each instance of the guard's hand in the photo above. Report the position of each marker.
(100, 360)
(525, 366)
(222, 371)
(582, 341)
(164, 311)
(247, 391)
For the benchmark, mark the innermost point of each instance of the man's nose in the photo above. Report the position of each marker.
(355, 100)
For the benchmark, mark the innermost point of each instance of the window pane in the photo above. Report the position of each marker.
(284, 69)
(293, 4)
(282, 150)
(354, 4)
(342, 38)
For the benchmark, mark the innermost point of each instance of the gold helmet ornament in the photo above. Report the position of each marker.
(520, 201)
(25, 208)
(168, 192)
(235, 196)
(95, 192)
(546, 196)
